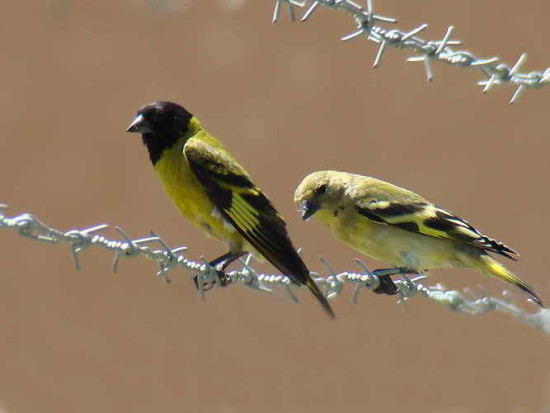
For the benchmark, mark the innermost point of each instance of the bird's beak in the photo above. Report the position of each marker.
(139, 125)
(307, 208)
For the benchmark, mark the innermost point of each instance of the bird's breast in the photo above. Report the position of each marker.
(189, 196)
(390, 244)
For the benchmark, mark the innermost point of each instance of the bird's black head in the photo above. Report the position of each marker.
(161, 125)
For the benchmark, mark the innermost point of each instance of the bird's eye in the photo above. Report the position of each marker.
(321, 189)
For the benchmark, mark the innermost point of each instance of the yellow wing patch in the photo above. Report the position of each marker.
(244, 215)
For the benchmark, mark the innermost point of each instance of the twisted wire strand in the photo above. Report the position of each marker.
(427, 51)
(167, 259)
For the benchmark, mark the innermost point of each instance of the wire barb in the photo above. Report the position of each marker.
(368, 25)
(168, 259)
(291, 4)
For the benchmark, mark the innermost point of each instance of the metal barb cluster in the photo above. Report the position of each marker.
(167, 259)
(497, 73)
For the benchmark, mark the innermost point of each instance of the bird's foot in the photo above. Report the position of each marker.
(224, 281)
(386, 286)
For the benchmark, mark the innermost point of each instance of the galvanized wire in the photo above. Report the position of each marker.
(368, 25)
(167, 259)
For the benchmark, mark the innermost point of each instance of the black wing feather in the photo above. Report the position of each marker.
(425, 218)
(249, 211)
(269, 236)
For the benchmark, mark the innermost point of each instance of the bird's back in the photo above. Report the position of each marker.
(366, 188)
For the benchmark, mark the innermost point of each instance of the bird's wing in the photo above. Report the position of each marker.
(387, 204)
(244, 205)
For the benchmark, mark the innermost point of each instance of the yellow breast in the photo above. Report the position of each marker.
(189, 196)
(389, 244)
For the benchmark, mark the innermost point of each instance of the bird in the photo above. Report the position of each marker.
(391, 224)
(216, 194)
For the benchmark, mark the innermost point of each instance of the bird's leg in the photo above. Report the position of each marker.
(225, 260)
(387, 286)
(230, 257)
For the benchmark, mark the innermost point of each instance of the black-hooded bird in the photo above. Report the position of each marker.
(215, 193)
(397, 226)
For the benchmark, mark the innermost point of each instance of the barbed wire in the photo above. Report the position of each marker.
(497, 72)
(167, 259)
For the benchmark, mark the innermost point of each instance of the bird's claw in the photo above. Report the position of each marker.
(386, 286)
(223, 281)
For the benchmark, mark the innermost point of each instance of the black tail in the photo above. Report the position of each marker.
(291, 265)
(311, 286)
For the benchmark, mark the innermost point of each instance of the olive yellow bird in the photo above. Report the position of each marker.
(215, 193)
(397, 226)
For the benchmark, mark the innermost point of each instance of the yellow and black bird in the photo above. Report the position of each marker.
(397, 226)
(215, 193)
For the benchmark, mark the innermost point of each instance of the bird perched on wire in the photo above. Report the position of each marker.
(215, 193)
(397, 226)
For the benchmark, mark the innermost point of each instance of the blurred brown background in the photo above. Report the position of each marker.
(286, 99)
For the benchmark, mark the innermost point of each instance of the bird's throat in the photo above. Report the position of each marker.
(156, 143)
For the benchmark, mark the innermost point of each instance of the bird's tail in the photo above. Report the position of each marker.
(314, 288)
(493, 268)
(291, 264)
